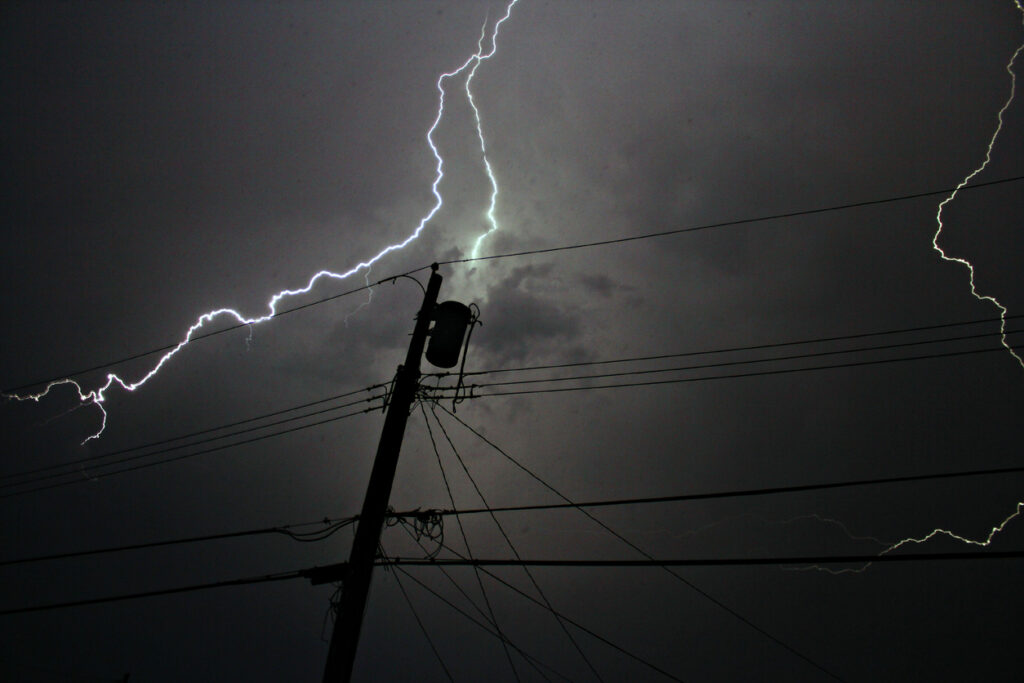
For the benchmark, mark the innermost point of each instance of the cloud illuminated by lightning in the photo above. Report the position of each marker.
(988, 157)
(98, 395)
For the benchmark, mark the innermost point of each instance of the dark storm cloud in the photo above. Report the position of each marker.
(163, 159)
(601, 285)
(521, 320)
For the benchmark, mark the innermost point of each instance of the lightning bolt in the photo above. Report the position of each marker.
(988, 158)
(492, 221)
(980, 543)
(98, 395)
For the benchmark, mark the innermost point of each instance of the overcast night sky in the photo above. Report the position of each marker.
(162, 160)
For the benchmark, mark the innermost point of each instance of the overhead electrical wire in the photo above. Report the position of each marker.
(754, 347)
(133, 468)
(93, 460)
(648, 500)
(493, 619)
(720, 561)
(736, 493)
(686, 380)
(97, 457)
(281, 576)
(207, 335)
(78, 475)
(399, 562)
(200, 432)
(404, 525)
(328, 527)
(751, 361)
(692, 586)
(537, 602)
(732, 223)
(472, 620)
(567, 247)
(419, 622)
(512, 547)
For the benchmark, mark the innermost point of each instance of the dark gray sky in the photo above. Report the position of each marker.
(165, 159)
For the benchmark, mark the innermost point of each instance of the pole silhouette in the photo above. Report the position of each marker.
(356, 583)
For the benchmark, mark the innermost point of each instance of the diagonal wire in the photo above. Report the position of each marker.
(497, 632)
(571, 621)
(469, 551)
(458, 609)
(641, 551)
(416, 616)
(515, 552)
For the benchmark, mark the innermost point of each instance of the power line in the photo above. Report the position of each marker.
(189, 455)
(686, 380)
(648, 500)
(726, 224)
(559, 379)
(620, 240)
(736, 493)
(455, 607)
(281, 576)
(754, 347)
(200, 432)
(508, 541)
(689, 584)
(329, 527)
(718, 561)
(419, 622)
(94, 458)
(751, 361)
(537, 602)
(207, 335)
(498, 633)
(313, 571)
(465, 540)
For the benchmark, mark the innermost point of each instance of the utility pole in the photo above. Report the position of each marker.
(356, 583)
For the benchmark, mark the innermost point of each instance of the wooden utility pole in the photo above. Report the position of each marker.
(356, 583)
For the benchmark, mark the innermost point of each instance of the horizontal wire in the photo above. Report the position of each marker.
(305, 573)
(101, 456)
(754, 347)
(686, 380)
(737, 493)
(752, 361)
(740, 221)
(481, 625)
(330, 527)
(560, 379)
(215, 449)
(207, 335)
(537, 602)
(282, 576)
(715, 561)
(709, 226)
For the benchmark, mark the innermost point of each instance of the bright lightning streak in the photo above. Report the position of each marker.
(981, 543)
(988, 158)
(99, 395)
(480, 57)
